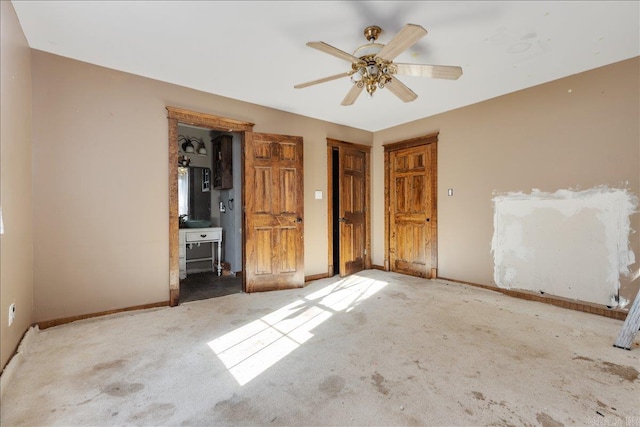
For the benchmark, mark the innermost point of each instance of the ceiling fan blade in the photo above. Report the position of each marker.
(434, 71)
(352, 95)
(399, 89)
(406, 37)
(322, 46)
(326, 79)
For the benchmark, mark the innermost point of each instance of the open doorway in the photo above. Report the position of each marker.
(209, 202)
(335, 208)
(179, 120)
(349, 190)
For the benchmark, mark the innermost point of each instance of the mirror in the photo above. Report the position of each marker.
(194, 194)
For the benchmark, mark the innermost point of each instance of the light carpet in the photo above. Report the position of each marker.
(374, 349)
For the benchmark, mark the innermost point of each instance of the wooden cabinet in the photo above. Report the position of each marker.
(222, 162)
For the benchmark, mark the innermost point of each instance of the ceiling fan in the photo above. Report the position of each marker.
(372, 64)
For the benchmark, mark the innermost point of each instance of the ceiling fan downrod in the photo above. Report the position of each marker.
(372, 32)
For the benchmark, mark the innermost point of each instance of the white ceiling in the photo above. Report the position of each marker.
(256, 51)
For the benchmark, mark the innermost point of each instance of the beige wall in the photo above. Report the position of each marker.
(100, 166)
(94, 128)
(16, 244)
(575, 133)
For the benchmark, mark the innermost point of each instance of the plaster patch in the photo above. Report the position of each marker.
(572, 244)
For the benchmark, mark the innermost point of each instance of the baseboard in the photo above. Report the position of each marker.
(553, 300)
(16, 359)
(50, 323)
(378, 267)
(315, 277)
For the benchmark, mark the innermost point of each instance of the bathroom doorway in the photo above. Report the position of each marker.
(203, 283)
(210, 194)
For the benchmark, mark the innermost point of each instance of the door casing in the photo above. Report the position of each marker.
(333, 144)
(177, 115)
(433, 169)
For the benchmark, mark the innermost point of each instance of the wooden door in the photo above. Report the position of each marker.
(412, 210)
(352, 220)
(273, 198)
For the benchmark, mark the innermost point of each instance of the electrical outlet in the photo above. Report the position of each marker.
(12, 313)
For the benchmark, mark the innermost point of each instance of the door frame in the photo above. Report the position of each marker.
(331, 145)
(175, 116)
(433, 168)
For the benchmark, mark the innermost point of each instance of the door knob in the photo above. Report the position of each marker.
(298, 220)
(342, 219)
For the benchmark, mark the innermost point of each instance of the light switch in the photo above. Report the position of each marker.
(318, 194)
(450, 192)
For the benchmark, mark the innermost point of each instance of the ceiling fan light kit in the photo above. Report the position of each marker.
(372, 65)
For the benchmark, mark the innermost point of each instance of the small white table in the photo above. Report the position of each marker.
(191, 236)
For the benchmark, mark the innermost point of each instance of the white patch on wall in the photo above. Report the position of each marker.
(572, 244)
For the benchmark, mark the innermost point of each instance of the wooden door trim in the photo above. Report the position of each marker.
(209, 121)
(177, 116)
(335, 143)
(433, 168)
(413, 142)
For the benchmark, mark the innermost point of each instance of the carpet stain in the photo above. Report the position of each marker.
(121, 389)
(119, 363)
(545, 420)
(628, 373)
(478, 395)
(417, 362)
(332, 385)
(377, 381)
(236, 408)
(359, 318)
(507, 423)
(399, 295)
(158, 412)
